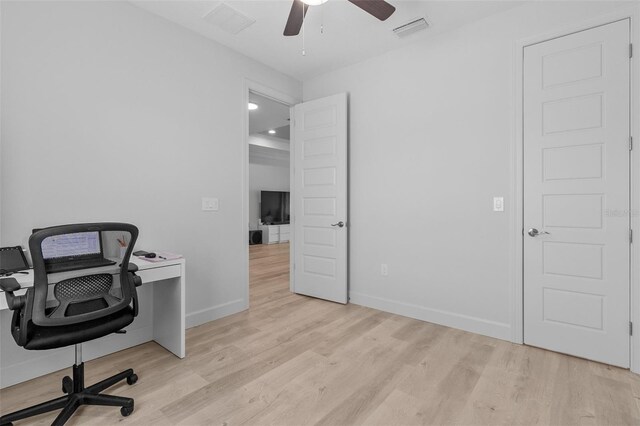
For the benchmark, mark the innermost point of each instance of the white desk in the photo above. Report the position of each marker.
(161, 318)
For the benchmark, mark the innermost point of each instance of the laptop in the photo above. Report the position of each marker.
(70, 252)
(12, 260)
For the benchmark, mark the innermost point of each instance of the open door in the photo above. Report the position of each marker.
(319, 252)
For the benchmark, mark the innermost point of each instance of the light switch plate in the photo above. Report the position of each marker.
(498, 204)
(210, 204)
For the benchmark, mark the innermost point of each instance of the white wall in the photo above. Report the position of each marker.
(264, 176)
(111, 113)
(431, 142)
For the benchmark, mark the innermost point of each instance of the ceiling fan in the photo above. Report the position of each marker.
(378, 8)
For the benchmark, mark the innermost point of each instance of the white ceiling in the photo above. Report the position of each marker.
(269, 115)
(350, 34)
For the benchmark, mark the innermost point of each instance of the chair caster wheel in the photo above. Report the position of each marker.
(126, 411)
(132, 379)
(67, 384)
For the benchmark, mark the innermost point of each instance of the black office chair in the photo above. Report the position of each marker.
(90, 303)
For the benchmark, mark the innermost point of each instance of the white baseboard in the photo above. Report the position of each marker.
(215, 312)
(449, 319)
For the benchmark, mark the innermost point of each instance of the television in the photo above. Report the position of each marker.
(274, 207)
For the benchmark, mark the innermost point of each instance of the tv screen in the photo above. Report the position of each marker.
(274, 207)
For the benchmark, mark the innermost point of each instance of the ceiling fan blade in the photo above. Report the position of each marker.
(296, 18)
(378, 8)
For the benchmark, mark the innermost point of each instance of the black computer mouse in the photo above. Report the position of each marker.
(150, 255)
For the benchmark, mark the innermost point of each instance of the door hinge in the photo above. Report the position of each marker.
(630, 50)
(631, 236)
(630, 143)
(630, 328)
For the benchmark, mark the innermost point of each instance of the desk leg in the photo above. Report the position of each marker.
(169, 314)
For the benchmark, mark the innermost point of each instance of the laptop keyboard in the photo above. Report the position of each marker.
(79, 264)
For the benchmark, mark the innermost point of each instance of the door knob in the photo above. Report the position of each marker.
(533, 232)
(339, 224)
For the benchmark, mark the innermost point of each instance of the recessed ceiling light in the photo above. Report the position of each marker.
(314, 2)
(252, 106)
(272, 132)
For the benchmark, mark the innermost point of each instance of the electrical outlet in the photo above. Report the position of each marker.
(498, 204)
(210, 204)
(384, 269)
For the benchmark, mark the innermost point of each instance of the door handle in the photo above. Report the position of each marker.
(339, 224)
(533, 232)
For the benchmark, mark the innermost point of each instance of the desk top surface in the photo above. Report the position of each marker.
(26, 280)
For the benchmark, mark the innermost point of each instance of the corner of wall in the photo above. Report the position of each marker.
(215, 312)
(448, 319)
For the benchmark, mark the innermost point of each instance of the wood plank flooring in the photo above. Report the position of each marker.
(293, 360)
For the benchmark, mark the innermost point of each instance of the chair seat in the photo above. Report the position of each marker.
(60, 336)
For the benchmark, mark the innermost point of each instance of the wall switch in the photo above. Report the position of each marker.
(384, 269)
(498, 204)
(210, 204)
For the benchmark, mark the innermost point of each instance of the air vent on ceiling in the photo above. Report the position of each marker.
(229, 19)
(411, 27)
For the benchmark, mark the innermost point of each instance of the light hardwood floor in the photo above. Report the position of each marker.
(293, 360)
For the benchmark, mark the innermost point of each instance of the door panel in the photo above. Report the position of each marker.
(576, 194)
(320, 198)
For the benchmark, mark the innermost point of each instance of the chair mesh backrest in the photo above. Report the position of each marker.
(81, 292)
(84, 294)
(83, 288)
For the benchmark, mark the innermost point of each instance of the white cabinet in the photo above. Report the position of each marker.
(284, 233)
(272, 234)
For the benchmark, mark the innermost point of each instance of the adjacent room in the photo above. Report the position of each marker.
(327, 212)
(269, 198)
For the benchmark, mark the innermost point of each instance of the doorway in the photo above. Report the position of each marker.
(576, 186)
(269, 174)
(315, 209)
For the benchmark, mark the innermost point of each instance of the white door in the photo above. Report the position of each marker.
(576, 194)
(319, 252)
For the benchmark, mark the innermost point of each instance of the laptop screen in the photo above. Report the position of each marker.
(12, 259)
(69, 246)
